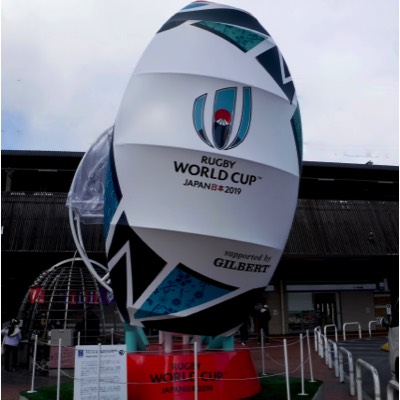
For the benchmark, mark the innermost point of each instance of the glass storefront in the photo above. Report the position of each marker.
(307, 310)
(300, 312)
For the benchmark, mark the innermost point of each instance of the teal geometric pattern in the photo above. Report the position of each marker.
(244, 39)
(180, 290)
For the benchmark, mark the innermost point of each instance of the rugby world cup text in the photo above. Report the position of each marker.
(207, 170)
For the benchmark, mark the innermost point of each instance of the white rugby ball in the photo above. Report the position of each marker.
(203, 173)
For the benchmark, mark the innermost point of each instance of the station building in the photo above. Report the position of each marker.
(340, 264)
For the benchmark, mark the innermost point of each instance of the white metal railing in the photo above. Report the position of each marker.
(351, 369)
(391, 387)
(333, 348)
(317, 331)
(334, 354)
(351, 323)
(331, 326)
(310, 358)
(377, 388)
(326, 349)
(321, 345)
(370, 325)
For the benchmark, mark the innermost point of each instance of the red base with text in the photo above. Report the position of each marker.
(223, 375)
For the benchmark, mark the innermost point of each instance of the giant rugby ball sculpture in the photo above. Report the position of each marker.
(203, 173)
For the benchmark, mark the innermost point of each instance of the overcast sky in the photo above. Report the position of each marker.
(66, 64)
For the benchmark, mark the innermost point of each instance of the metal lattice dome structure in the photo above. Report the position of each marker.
(68, 297)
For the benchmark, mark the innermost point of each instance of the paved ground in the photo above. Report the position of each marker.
(331, 389)
(370, 351)
(272, 363)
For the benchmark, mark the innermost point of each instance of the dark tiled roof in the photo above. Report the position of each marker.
(353, 228)
(41, 153)
(53, 171)
(321, 228)
(40, 223)
(346, 167)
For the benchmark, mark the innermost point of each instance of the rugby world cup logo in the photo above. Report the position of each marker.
(223, 116)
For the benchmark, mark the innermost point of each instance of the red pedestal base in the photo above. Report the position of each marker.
(222, 375)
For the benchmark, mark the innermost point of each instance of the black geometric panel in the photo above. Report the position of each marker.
(118, 275)
(227, 16)
(146, 263)
(271, 61)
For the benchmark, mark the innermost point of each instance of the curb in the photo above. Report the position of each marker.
(319, 394)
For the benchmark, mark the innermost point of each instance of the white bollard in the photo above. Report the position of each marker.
(59, 369)
(185, 339)
(196, 383)
(34, 366)
(167, 342)
(310, 358)
(98, 372)
(262, 351)
(197, 339)
(302, 366)
(286, 369)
